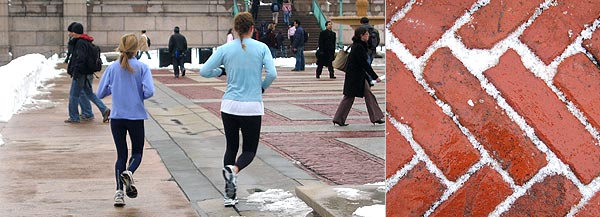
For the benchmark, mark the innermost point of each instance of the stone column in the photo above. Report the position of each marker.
(4, 36)
(74, 11)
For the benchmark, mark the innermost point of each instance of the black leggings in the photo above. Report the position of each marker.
(250, 127)
(120, 128)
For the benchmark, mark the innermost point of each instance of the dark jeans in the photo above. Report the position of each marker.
(139, 54)
(250, 127)
(79, 86)
(120, 128)
(320, 70)
(177, 65)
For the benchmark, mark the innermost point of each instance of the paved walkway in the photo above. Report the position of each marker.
(493, 108)
(67, 169)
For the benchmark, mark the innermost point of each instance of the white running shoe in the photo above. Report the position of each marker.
(230, 186)
(119, 198)
(230, 202)
(127, 178)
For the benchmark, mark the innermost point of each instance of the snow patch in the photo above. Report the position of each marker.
(279, 201)
(370, 211)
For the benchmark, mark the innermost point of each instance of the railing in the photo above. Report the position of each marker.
(318, 13)
(236, 10)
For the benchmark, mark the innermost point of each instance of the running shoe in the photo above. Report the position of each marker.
(230, 202)
(230, 185)
(119, 198)
(127, 178)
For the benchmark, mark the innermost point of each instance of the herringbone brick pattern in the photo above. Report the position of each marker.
(492, 108)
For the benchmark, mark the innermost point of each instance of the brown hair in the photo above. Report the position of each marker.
(127, 47)
(243, 23)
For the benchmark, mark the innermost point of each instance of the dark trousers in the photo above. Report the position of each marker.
(178, 63)
(139, 54)
(375, 112)
(119, 129)
(320, 70)
(250, 127)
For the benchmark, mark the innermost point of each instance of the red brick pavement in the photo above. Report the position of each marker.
(524, 124)
(319, 153)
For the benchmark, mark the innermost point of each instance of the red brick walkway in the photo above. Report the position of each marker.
(493, 108)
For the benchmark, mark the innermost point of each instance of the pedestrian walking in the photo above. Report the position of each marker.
(287, 11)
(242, 104)
(230, 36)
(326, 51)
(129, 81)
(177, 49)
(272, 40)
(143, 46)
(291, 32)
(254, 9)
(356, 83)
(275, 8)
(82, 76)
(298, 46)
(374, 39)
(280, 44)
(84, 102)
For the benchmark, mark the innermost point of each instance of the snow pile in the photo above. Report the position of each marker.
(280, 201)
(21, 78)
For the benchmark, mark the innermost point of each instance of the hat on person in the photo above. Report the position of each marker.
(77, 28)
(176, 30)
(364, 20)
(70, 28)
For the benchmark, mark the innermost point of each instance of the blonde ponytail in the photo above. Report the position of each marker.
(127, 47)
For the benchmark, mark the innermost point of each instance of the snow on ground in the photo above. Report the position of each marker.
(368, 211)
(280, 201)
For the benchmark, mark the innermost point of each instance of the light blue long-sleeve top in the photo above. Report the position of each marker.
(129, 90)
(244, 69)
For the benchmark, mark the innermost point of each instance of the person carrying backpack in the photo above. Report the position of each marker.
(82, 72)
(144, 45)
(373, 41)
(275, 7)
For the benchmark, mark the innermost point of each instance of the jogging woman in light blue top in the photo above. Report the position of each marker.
(242, 105)
(130, 83)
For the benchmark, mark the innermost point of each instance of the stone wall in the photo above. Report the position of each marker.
(39, 26)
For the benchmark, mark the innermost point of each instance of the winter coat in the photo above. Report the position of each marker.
(298, 41)
(177, 42)
(143, 43)
(357, 69)
(326, 51)
(81, 48)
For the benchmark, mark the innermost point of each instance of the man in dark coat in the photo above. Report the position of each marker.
(326, 51)
(177, 49)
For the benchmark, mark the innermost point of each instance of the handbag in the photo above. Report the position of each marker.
(341, 60)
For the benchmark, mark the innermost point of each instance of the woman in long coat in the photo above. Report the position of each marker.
(356, 83)
(326, 52)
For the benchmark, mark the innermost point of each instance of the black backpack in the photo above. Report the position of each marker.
(275, 7)
(93, 62)
(148, 40)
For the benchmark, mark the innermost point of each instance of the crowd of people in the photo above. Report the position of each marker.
(241, 59)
